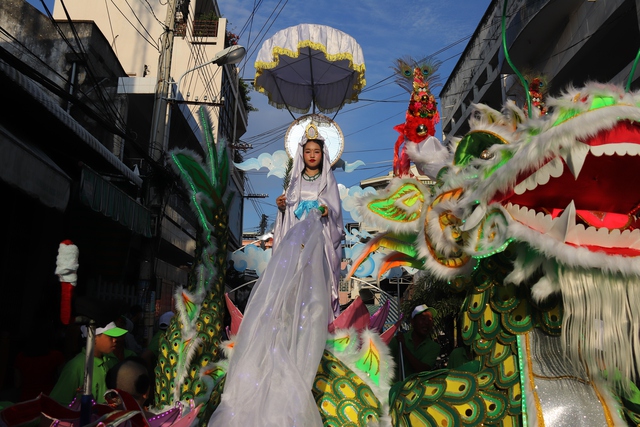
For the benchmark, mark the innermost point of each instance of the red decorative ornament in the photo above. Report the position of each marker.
(422, 114)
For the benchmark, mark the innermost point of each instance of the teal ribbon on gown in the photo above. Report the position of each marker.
(304, 207)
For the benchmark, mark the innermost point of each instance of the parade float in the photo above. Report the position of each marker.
(532, 218)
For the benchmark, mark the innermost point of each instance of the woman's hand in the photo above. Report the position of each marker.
(281, 202)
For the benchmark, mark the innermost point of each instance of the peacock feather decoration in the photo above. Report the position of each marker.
(410, 72)
(185, 372)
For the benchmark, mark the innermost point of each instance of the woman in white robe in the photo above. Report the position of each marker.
(313, 185)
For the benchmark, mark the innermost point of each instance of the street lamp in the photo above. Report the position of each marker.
(229, 55)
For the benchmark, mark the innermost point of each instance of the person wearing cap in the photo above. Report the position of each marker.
(313, 186)
(71, 380)
(419, 350)
(150, 354)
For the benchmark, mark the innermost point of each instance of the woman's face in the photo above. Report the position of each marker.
(312, 155)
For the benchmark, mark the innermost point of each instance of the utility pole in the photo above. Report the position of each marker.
(159, 121)
(155, 198)
(263, 224)
(263, 229)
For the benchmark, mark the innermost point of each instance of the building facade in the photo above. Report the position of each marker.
(567, 41)
(80, 162)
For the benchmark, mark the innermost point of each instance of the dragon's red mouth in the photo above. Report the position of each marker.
(592, 186)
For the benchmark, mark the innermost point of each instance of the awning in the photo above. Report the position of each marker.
(26, 167)
(104, 197)
(50, 104)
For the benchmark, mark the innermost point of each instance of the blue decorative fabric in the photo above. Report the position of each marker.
(304, 207)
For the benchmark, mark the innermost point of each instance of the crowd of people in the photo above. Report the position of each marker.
(120, 361)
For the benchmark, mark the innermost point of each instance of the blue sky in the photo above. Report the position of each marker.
(385, 30)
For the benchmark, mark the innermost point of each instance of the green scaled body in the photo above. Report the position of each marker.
(189, 348)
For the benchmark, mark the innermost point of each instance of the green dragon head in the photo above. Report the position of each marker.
(559, 190)
(562, 183)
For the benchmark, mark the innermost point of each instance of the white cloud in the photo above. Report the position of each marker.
(275, 163)
(251, 257)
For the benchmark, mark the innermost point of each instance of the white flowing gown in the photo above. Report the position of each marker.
(281, 338)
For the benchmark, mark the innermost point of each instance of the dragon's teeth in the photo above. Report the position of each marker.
(553, 168)
(620, 149)
(575, 157)
(564, 223)
(565, 229)
(535, 220)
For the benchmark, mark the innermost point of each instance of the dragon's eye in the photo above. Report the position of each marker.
(486, 155)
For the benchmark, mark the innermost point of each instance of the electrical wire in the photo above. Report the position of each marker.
(150, 37)
(104, 104)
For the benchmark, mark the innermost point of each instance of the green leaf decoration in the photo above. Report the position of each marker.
(193, 175)
(551, 321)
(519, 320)
(472, 412)
(335, 380)
(287, 174)
(461, 386)
(508, 374)
(486, 377)
(369, 361)
(210, 144)
(469, 328)
(481, 346)
(504, 298)
(515, 399)
(506, 338)
(476, 303)
(498, 354)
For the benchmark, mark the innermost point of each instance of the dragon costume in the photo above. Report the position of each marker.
(536, 221)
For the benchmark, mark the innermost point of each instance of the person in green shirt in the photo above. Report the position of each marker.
(150, 354)
(460, 358)
(71, 380)
(419, 351)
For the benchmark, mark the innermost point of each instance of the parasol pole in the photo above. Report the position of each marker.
(275, 81)
(401, 358)
(86, 402)
(313, 85)
(344, 99)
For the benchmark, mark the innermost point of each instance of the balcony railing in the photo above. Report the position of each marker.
(202, 28)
